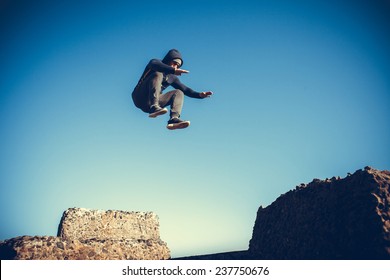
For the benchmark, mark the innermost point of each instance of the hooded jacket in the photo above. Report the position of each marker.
(170, 79)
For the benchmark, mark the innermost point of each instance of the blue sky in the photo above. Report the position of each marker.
(301, 91)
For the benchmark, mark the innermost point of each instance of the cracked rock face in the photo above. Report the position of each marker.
(80, 223)
(335, 218)
(93, 235)
(56, 248)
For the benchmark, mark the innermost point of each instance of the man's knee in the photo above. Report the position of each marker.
(178, 93)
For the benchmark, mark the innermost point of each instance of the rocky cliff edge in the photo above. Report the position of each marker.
(93, 235)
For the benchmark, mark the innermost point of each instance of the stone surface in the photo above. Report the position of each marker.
(80, 223)
(93, 235)
(57, 248)
(327, 219)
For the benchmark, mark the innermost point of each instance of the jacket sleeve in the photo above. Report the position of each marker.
(187, 91)
(159, 66)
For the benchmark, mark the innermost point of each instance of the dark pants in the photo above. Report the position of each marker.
(148, 94)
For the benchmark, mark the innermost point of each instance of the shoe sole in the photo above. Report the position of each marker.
(178, 125)
(159, 113)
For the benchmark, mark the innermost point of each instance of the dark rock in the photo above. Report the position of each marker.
(334, 219)
(60, 245)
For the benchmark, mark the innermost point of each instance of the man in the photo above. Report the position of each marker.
(157, 76)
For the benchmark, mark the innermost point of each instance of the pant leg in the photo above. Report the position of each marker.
(175, 99)
(148, 92)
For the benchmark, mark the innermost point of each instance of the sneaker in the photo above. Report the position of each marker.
(177, 123)
(157, 111)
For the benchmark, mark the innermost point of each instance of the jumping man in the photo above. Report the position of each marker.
(157, 76)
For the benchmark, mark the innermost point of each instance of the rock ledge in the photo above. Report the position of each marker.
(85, 234)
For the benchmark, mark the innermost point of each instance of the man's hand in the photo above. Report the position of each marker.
(206, 94)
(179, 71)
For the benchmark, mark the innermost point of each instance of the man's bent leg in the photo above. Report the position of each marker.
(146, 95)
(154, 82)
(175, 99)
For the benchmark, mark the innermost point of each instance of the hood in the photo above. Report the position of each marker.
(171, 55)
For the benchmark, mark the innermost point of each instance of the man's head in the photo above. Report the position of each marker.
(173, 56)
(176, 63)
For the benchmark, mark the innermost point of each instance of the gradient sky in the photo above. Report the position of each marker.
(301, 91)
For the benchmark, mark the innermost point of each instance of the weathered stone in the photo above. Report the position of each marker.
(331, 219)
(80, 223)
(93, 235)
(37, 248)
